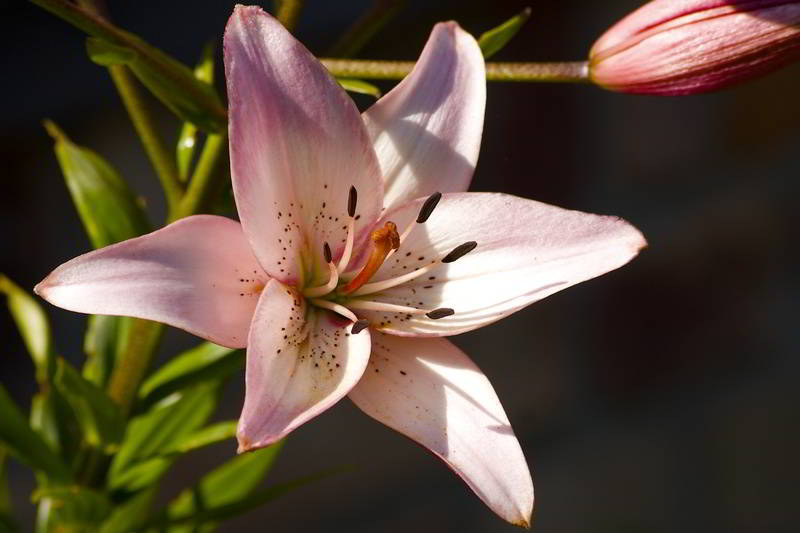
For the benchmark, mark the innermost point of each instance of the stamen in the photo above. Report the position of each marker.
(352, 200)
(424, 213)
(442, 312)
(428, 207)
(459, 251)
(367, 305)
(369, 288)
(336, 308)
(359, 326)
(384, 240)
(333, 277)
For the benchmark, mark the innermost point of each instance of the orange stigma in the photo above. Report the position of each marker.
(384, 240)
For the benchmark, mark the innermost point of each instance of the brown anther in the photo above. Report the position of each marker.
(384, 240)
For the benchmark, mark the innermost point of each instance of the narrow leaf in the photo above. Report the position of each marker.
(5, 495)
(211, 515)
(108, 209)
(233, 481)
(75, 508)
(205, 362)
(53, 419)
(359, 86)
(187, 141)
(495, 39)
(169, 80)
(204, 437)
(131, 514)
(106, 54)
(98, 416)
(150, 434)
(33, 326)
(27, 446)
(104, 341)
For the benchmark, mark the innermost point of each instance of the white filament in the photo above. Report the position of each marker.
(367, 305)
(336, 308)
(369, 288)
(348, 247)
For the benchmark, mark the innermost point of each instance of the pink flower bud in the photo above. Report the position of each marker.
(673, 47)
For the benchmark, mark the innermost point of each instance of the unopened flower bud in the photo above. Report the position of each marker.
(673, 47)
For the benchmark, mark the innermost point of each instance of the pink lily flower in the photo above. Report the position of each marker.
(357, 252)
(676, 47)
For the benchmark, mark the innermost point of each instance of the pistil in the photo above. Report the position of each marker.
(384, 240)
(333, 277)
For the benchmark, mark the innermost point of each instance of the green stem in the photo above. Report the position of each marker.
(363, 29)
(142, 119)
(289, 12)
(134, 362)
(570, 72)
(205, 180)
(144, 335)
(145, 126)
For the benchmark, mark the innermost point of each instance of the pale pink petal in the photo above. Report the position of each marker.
(299, 363)
(526, 250)
(427, 130)
(197, 274)
(430, 391)
(297, 145)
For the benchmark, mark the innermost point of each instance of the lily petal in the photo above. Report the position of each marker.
(297, 145)
(427, 130)
(298, 365)
(430, 391)
(526, 250)
(197, 274)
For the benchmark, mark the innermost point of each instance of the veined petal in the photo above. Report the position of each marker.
(430, 391)
(427, 130)
(526, 250)
(299, 363)
(197, 274)
(297, 145)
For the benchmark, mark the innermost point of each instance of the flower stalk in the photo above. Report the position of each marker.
(556, 72)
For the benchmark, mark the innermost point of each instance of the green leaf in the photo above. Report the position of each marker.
(359, 86)
(170, 80)
(75, 508)
(5, 496)
(205, 362)
(204, 437)
(150, 434)
(214, 514)
(495, 39)
(33, 326)
(131, 514)
(106, 54)
(104, 341)
(107, 207)
(231, 482)
(147, 472)
(98, 416)
(25, 444)
(52, 418)
(187, 141)
(160, 77)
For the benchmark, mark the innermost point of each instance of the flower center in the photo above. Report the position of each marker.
(343, 297)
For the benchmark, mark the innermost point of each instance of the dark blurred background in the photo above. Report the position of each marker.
(660, 397)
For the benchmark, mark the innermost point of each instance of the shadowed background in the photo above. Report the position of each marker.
(660, 397)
